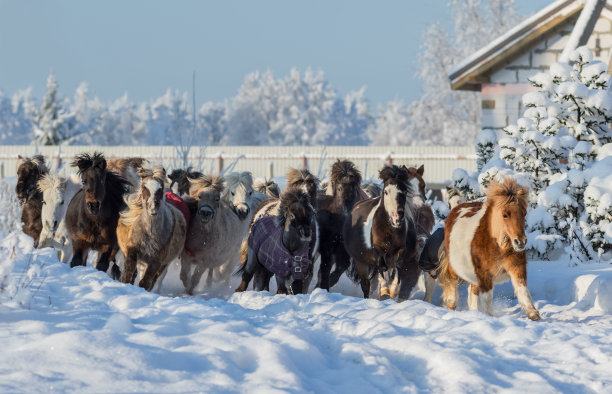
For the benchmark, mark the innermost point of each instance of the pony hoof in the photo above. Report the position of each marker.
(534, 315)
(385, 297)
(115, 272)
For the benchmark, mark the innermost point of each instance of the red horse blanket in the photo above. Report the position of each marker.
(266, 241)
(179, 204)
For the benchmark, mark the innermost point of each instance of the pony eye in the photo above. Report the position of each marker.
(232, 193)
(505, 216)
(44, 202)
(386, 192)
(62, 203)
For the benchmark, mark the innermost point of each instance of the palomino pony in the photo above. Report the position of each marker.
(57, 193)
(485, 244)
(375, 232)
(332, 210)
(29, 172)
(151, 232)
(91, 218)
(281, 244)
(302, 180)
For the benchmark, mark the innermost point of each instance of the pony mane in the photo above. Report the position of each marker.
(344, 171)
(295, 176)
(85, 161)
(291, 199)
(396, 175)
(156, 172)
(267, 187)
(37, 160)
(507, 192)
(52, 181)
(234, 178)
(208, 182)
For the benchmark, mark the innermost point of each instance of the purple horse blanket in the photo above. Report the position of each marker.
(266, 241)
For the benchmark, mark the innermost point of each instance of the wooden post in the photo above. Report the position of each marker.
(304, 162)
(389, 160)
(270, 172)
(2, 170)
(219, 164)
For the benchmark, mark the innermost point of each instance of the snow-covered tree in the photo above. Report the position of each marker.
(52, 125)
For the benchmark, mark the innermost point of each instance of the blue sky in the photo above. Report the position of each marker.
(145, 47)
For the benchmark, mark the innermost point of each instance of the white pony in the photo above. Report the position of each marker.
(57, 193)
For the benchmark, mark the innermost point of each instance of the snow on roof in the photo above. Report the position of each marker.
(545, 19)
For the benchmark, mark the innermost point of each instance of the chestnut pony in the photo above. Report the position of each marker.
(485, 243)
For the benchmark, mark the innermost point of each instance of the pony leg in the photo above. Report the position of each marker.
(150, 275)
(129, 267)
(79, 254)
(247, 273)
(324, 269)
(430, 284)
(473, 297)
(195, 278)
(185, 271)
(115, 271)
(408, 278)
(485, 291)
(362, 270)
(343, 262)
(518, 275)
(487, 302)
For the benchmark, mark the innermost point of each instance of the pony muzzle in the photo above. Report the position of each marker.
(519, 244)
(93, 207)
(242, 211)
(206, 213)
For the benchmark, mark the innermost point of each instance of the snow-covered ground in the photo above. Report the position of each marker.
(65, 329)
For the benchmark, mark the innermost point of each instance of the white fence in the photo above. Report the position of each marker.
(266, 161)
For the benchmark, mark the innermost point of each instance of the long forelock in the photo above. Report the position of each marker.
(52, 181)
(235, 180)
(510, 192)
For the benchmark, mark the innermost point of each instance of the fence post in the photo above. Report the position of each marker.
(270, 172)
(1, 170)
(389, 160)
(220, 163)
(304, 162)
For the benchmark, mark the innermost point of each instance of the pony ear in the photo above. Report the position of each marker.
(101, 164)
(421, 170)
(20, 160)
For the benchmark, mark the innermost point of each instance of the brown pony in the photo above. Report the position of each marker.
(376, 230)
(151, 232)
(91, 218)
(485, 244)
(296, 179)
(29, 172)
(332, 211)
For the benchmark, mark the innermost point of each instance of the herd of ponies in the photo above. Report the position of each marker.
(379, 234)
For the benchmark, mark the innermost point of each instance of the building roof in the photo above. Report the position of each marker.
(468, 74)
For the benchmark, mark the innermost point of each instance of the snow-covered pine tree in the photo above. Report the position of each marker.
(52, 124)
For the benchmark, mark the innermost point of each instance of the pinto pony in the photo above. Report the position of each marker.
(485, 244)
(92, 215)
(332, 210)
(57, 193)
(29, 172)
(179, 180)
(151, 232)
(281, 244)
(376, 231)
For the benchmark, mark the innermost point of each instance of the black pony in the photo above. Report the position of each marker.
(332, 210)
(91, 218)
(179, 180)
